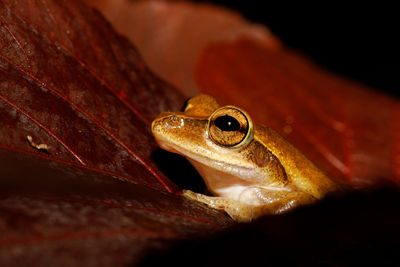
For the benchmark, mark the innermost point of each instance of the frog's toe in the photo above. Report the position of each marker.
(189, 194)
(242, 215)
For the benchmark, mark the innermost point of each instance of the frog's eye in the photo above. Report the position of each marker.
(230, 127)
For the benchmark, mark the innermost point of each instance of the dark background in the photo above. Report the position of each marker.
(359, 41)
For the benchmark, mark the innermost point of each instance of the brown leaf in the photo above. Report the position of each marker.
(79, 184)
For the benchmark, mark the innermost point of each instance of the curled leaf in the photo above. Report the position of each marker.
(79, 184)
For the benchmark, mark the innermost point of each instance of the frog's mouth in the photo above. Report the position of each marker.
(168, 147)
(164, 143)
(197, 158)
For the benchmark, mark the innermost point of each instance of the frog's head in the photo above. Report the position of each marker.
(206, 133)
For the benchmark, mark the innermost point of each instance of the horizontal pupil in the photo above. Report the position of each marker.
(227, 123)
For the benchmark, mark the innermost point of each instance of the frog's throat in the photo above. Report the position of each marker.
(225, 184)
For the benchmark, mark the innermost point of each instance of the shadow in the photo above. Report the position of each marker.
(179, 170)
(359, 229)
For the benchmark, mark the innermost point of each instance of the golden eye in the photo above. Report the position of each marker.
(230, 127)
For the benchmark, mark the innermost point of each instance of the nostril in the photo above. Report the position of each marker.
(174, 119)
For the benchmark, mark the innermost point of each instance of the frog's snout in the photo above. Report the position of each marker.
(156, 125)
(165, 126)
(167, 120)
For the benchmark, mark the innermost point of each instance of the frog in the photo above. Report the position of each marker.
(249, 169)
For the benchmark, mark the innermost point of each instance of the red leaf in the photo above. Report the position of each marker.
(67, 214)
(171, 35)
(70, 82)
(347, 129)
(78, 87)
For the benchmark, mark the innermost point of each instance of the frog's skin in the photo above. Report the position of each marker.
(250, 169)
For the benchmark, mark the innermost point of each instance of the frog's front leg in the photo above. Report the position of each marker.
(237, 210)
(276, 202)
(268, 202)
